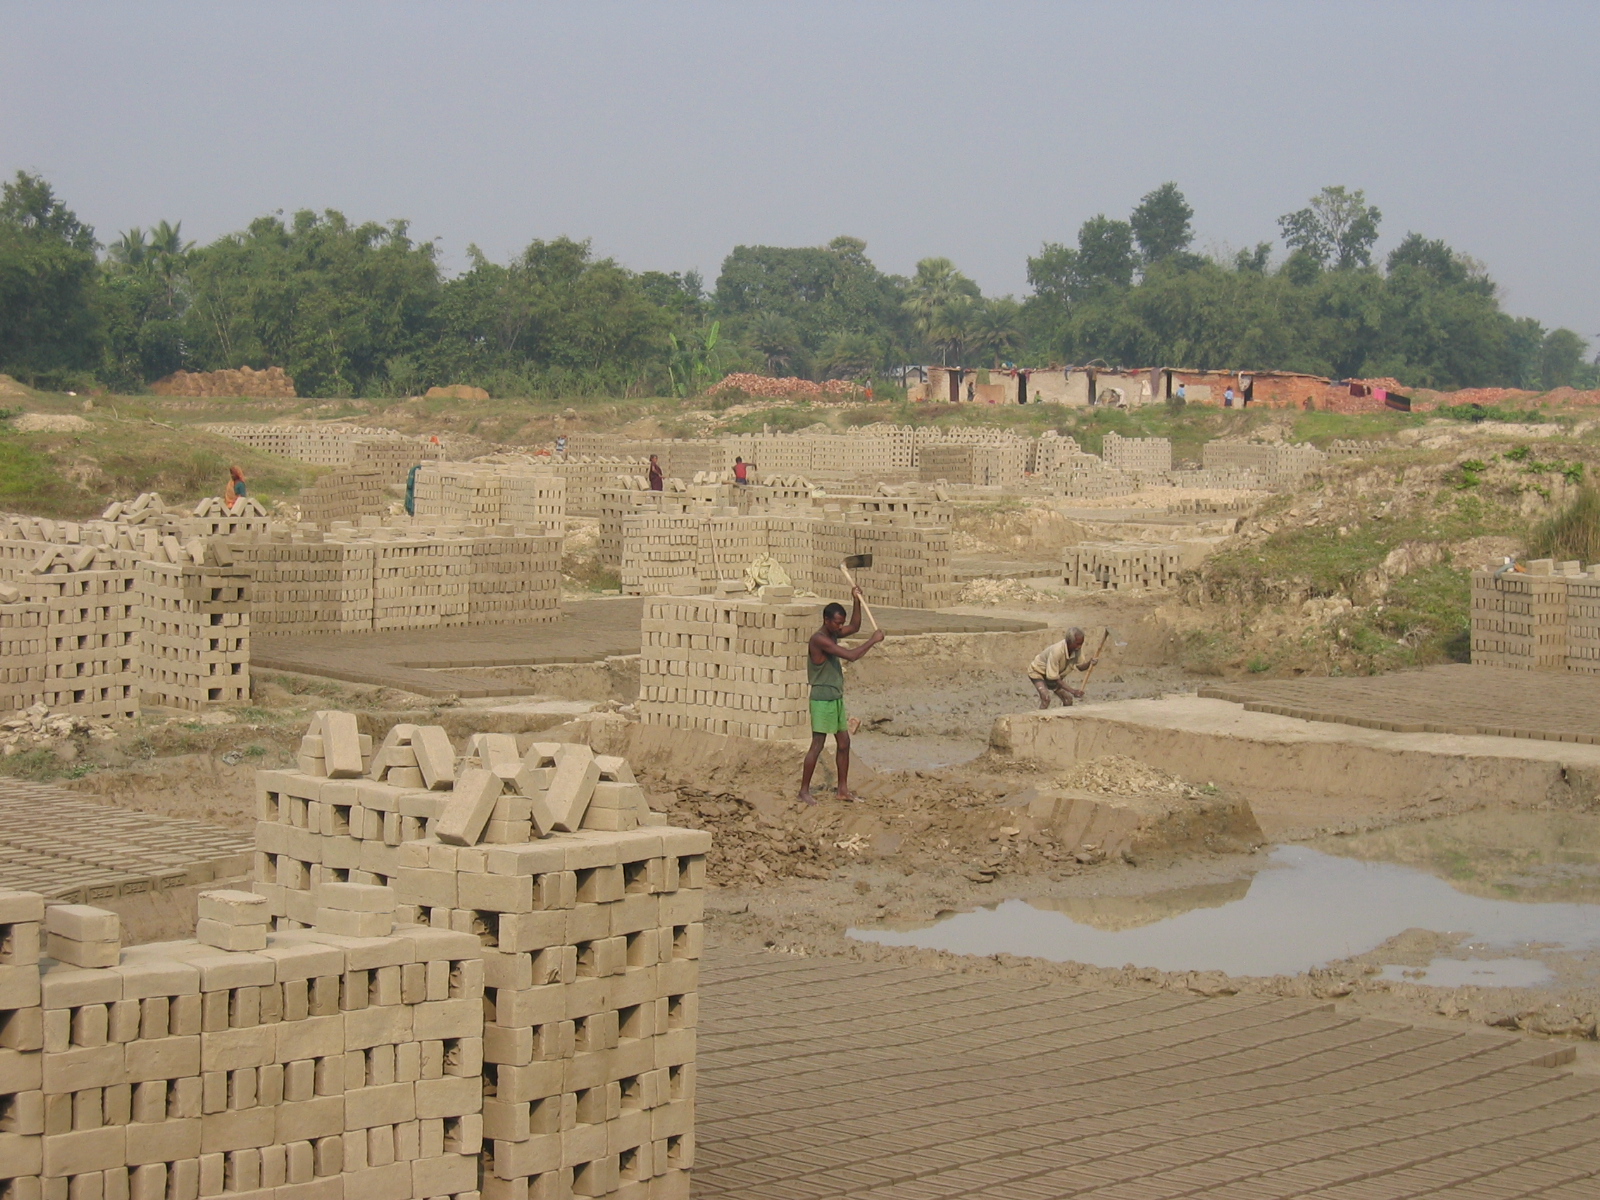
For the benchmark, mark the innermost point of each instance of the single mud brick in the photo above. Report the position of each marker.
(83, 923)
(496, 752)
(355, 897)
(225, 936)
(436, 758)
(614, 769)
(231, 907)
(20, 907)
(572, 787)
(353, 924)
(82, 954)
(398, 736)
(470, 805)
(341, 745)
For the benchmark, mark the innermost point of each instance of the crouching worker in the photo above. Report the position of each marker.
(827, 691)
(1048, 671)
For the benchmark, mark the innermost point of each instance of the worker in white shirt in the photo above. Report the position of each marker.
(1048, 671)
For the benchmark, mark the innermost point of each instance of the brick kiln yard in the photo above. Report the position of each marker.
(449, 940)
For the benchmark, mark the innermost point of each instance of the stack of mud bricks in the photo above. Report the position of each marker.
(1048, 450)
(194, 634)
(1086, 477)
(1121, 566)
(1279, 464)
(215, 517)
(327, 445)
(301, 584)
(727, 666)
(1545, 617)
(346, 494)
(24, 633)
(1143, 456)
(74, 610)
(297, 1065)
(584, 478)
(979, 464)
(492, 493)
(576, 911)
(680, 552)
(406, 576)
(660, 552)
(911, 563)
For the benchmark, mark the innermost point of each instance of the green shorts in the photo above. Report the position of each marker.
(827, 716)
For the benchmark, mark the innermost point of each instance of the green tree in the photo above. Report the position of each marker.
(849, 356)
(329, 301)
(777, 340)
(997, 329)
(822, 291)
(554, 312)
(1562, 363)
(940, 301)
(1160, 224)
(696, 360)
(49, 328)
(1337, 226)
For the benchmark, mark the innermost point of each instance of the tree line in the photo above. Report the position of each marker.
(364, 309)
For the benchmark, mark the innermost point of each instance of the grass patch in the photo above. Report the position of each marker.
(1573, 534)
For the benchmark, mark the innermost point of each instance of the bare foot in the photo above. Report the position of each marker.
(806, 797)
(853, 724)
(849, 797)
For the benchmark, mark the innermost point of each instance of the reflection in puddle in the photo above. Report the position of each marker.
(1500, 855)
(1130, 912)
(1308, 909)
(1473, 972)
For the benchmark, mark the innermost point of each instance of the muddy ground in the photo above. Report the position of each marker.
(937, 829)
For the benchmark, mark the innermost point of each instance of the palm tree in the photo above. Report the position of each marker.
(850, 356)
(996, 328)
(130, 250)
(776, 338)
(934, 298)
(955, 328)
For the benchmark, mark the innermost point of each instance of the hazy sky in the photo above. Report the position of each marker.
(671, 132)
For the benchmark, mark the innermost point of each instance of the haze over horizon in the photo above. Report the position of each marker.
(670, 134)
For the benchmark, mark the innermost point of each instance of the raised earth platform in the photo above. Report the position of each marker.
(1552, 706)
(65, 848)
(1301, 776)
(420, 660)
(822, 1078)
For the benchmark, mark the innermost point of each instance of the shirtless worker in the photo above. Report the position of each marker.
(827, 691)
(1047, 671)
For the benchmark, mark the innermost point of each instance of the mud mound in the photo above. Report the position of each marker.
(457, 391)
(11, 389)
(49, 423)
(999, 591)
(269, 384)
(1119, 775)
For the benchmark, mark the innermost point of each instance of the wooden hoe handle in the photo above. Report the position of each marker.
(867, 608)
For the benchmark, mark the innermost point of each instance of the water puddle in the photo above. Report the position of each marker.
(1304, 909)
(1497, 855)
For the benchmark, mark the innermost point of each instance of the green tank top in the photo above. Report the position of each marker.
(827, 678)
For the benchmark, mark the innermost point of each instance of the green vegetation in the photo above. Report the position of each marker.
(1570, 535)
(352, 308)
(72, 474)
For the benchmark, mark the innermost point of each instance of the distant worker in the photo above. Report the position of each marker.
(1183, 393)
(236, 489)
(1227, 398)
(826, 675)
(741, 472)
(658, 482)
(561, 444)
(1047, 672)
(972, 392)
